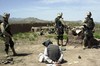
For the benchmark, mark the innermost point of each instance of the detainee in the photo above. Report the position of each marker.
(52, 54)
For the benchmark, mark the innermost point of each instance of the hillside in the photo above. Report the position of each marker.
(26, 20)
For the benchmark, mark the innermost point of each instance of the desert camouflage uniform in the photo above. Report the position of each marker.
(59, 26)
(7, 34)
(88, 30)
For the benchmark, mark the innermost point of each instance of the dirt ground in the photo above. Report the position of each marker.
(75, 56)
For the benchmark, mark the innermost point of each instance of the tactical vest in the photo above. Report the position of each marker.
(58, 23)
(90, 23)
(6, 28)
(59, 26)
(53, 52)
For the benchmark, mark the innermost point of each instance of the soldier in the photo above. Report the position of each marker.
(7, 34)
(88, 30)
(59, 26)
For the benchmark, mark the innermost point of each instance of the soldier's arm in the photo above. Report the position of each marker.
(6, 26)
(93, 22)
(62, 21)
(3, 29)
(55, 25)
(55, 22)
(84, 22)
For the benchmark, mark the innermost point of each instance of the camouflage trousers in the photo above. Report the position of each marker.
(8, 42)
(85, 41)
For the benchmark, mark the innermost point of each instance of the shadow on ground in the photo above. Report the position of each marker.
(23, 54)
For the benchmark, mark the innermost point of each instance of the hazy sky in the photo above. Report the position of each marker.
(48, 9)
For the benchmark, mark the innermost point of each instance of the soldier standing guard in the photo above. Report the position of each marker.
(59, 26)
(88, 30)
(7, 34)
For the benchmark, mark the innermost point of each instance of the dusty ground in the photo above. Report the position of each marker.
(28, 54)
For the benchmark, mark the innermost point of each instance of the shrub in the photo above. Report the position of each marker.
(27, 35)
(97, 35)
(55, 36)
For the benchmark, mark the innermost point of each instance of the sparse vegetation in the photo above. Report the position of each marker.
(97, 31)
(54, 36)
(65, 36)
(51, 36)
(27, 35)
(97, 35)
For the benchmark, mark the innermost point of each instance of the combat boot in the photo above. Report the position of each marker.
(14, 52)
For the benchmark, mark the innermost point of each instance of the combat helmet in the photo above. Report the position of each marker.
(6, 15)
(59, 14)
(89, 13)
